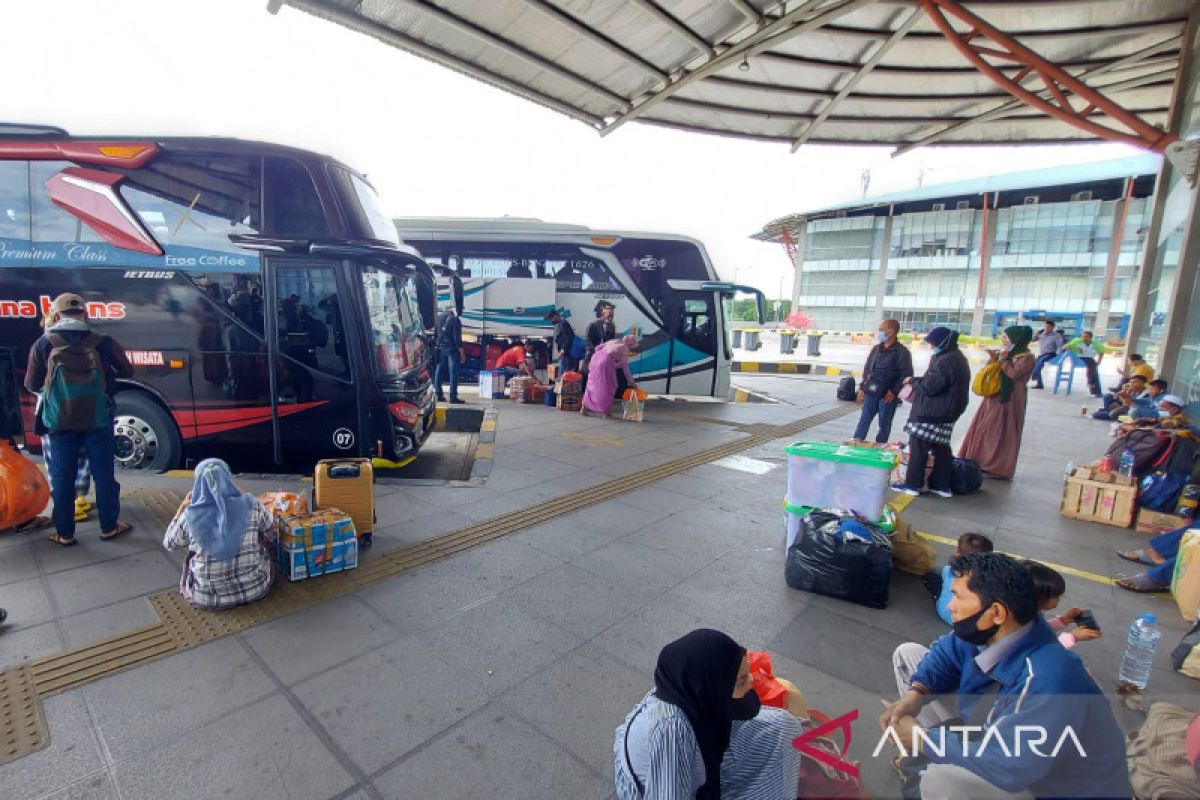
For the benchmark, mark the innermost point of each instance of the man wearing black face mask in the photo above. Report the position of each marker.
(1012, 683)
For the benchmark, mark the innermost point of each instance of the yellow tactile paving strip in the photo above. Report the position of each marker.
(182, 627)
(22, 727)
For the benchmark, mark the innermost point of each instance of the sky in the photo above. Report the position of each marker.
(435, 142)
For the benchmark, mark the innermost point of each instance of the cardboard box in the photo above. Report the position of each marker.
(552, 372)
(1099, 497)
(1152, 523)
(491, 384)
(317, 544)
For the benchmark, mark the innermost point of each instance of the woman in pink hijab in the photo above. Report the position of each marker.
(602, 374)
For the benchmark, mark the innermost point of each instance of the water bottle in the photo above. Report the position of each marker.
(1126, 465)
(1069, 471)
(1139, 653)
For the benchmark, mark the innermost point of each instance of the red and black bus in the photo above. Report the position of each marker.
(271, 313)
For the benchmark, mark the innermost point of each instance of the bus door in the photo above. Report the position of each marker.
(316, 404)
(692, 319)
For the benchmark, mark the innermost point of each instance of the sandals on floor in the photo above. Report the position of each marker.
(63, 541)
(34, 524)
(122, 527)
(1142, 583)
(1138, 557)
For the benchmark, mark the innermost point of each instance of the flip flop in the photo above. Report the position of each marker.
(122, 527)
(1137, 556)
(1142, 583)
(63, 541)
(34, 524)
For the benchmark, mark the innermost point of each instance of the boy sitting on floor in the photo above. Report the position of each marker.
(938, 584)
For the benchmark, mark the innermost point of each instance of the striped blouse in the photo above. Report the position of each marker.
(760, 764)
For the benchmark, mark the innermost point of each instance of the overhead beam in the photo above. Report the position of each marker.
(913, 17)
(807, 17)
(984, 39)
(1142, 57)
(907, 71)
(1064, 35)
(678, 28)
(388, 36)
(888, 119)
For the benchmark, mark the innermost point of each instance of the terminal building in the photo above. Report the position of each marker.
(1064, 243)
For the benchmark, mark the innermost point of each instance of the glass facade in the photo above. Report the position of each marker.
(1044, 258)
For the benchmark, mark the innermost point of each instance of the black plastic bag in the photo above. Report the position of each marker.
(839, 556)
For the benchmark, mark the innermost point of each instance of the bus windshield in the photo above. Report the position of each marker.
(369, 209)
(393, 321)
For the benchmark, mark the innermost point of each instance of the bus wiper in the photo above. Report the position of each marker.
(270, 244)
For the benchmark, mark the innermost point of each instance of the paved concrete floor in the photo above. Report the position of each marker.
(503, 671)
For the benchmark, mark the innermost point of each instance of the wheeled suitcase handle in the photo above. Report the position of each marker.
(343, 470)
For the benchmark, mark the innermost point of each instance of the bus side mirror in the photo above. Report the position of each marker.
(426, 296)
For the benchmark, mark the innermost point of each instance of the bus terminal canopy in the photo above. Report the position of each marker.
(835, 71)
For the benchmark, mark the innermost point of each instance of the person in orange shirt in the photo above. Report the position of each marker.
(516, 360)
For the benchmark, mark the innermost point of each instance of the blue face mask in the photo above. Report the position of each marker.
(881, 336)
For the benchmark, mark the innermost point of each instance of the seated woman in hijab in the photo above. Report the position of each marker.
(603, 383)
(230, 538)
(702, 732)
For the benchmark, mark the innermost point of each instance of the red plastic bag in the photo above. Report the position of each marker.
(769, 690)
(24, 491)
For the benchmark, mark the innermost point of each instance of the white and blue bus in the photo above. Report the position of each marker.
(664, 287)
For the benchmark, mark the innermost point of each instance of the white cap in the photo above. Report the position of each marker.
(1173, 399)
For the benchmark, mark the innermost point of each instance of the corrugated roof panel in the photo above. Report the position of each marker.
(610, 61)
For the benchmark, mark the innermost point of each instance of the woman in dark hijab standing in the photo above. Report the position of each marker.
(939, 398)
(702, 732)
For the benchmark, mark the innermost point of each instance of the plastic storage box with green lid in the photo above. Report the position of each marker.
(824, 475)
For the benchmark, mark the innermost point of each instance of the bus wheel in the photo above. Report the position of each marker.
(146, 437)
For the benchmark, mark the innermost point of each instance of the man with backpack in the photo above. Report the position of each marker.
(75, 370)
(448, 353)
(569, 350)
(888, 364)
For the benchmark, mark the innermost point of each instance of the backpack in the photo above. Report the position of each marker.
(965, 476)
(439, 339)
(578, 348)
(1147, 447)
(846, 389)
(75, 395)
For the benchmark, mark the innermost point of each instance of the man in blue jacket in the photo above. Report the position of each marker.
(1036, 724)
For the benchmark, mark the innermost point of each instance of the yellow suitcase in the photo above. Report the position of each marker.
(348, 484)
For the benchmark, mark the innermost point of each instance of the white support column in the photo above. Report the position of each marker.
(987, 237)
(884, 254)
(799, 240)
(1114, 258)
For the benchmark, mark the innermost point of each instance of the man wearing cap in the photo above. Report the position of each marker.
(599, 331)
(564, 340)
(69, 328)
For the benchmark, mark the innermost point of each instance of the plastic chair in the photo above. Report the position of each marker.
(1067, 375)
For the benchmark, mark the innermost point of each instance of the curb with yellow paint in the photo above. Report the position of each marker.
(792, 368)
